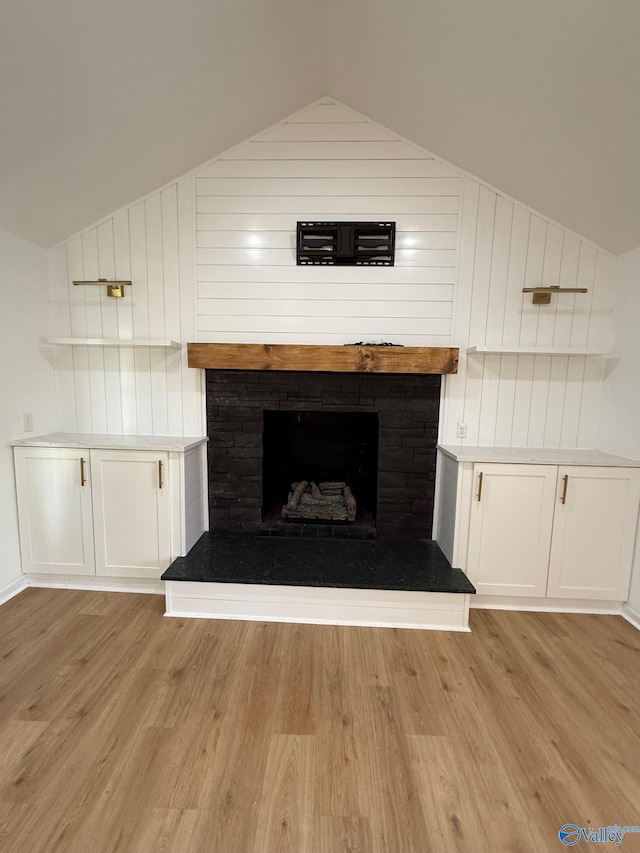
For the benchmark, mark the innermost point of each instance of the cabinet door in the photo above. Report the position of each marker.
(131, 513)
(594, 533)
(54, 510)
(510, 530)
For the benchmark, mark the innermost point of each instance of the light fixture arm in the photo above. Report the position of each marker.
(114, 288)
(542, 295)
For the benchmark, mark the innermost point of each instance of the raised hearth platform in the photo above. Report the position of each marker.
(390, 582)
(398, 564)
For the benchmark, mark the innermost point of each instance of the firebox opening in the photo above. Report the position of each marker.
(320, 447)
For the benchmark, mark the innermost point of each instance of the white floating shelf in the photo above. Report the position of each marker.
(483, 349)
(114, 342)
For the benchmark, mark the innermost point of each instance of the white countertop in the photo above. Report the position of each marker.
(537, 456)
(97, 441)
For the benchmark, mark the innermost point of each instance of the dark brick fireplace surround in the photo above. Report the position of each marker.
(407, 407)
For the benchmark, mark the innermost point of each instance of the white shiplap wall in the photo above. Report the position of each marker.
(228, 273)
(143, 391)
(325, 163)
(526, 400)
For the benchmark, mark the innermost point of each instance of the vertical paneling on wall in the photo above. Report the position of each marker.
(212, 258)
(325, 163)
(526, 400)
(136, 391)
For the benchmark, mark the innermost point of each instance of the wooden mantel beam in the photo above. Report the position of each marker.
(331, 359)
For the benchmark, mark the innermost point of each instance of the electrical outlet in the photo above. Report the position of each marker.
(461, 431)
(27, 422)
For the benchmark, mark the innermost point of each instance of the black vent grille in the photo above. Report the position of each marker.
(346, 243)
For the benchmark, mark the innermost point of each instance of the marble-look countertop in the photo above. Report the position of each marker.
(537, 456)
(98, 441)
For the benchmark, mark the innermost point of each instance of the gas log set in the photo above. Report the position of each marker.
(323, 502)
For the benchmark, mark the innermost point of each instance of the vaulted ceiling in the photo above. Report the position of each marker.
(102, 102)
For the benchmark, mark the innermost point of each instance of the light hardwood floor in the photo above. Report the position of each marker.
(124, 731)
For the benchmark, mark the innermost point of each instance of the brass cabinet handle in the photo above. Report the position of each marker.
(83, 476)
(480, 486)
(160, 481)
(565, 481)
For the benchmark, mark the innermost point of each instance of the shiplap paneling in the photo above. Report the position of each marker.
(320, 165)
(326, 150)
(299, 169)
(342, 308)
(325, 131)
(318, 275)
(212, 258)
(305, 208)
(441, 237)
(323, 186)
(349, 326)
(525, 400)
(142, 391)
(360, 293)
(256, 223)
(282, 257)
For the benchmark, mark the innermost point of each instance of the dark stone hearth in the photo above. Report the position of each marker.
(406, 406)
(408, 564)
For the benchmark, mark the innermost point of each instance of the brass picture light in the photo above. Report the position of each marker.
(542, 295)
(114, 288)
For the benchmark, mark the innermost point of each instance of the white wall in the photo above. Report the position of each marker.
(26, 378)
(135, 391)
(526, 400)
(464, 253)
(621, 396)
(325, 163)
(329, 162)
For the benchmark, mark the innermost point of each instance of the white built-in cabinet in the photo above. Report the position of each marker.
(131, 515)
(510, 529)
(108, 512)
(551, 531)
(55, 510)
(594, 531)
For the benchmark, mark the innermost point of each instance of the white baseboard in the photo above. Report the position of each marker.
(545, 605)
(318, 605)
(142, 585)
(631, 615)
(12, 588)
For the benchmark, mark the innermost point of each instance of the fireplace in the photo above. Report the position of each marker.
(320, 447)
(269, 429)
(364, 413)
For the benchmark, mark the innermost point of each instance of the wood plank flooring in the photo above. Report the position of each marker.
(121, 730)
